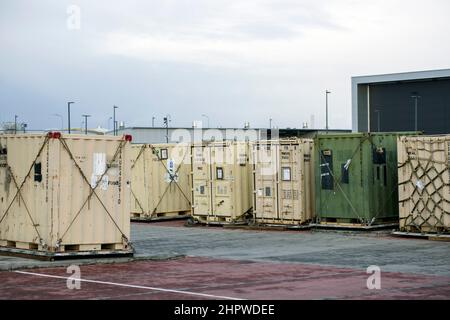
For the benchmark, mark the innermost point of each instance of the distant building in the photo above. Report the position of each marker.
(180, 134)
(388, 102)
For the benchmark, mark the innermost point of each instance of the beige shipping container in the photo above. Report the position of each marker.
(64, 194)
(424, 183)
(221, 182)
(283, 182)
(160, 181)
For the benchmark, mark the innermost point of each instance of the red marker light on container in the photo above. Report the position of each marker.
(128, 137)
(56, 135)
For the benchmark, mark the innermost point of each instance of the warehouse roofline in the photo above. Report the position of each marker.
(365, 81)
(402, 76)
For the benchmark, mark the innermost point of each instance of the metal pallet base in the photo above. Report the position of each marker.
(219, 223)
(426, 236)
(354, 227)
(159, 219)
(52, 256)
(274, 226)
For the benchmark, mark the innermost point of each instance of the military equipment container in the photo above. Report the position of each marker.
(356, 178)
(63, 195)
(221, 181)
(283, 182)
(160, 181)
(424, 184)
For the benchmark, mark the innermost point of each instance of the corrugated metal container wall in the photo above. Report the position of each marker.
(424, 184)
(64, 193)
(283, 182)
(221, 180)
(356, 178)
(160, 183)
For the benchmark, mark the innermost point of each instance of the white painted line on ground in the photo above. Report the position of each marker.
(130, 286)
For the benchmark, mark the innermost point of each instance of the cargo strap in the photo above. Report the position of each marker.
(436, 181)
(138, 202)
(141, 152)
(19, 190)
(246, 213)
(93, 190)
(172, 176)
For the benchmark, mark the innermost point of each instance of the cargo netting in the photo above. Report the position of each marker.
(426, 195)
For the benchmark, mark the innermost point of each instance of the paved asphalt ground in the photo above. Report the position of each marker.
(177, 262)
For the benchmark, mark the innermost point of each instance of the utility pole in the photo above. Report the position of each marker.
(326, 111)
(114, 120)
(270, 123)
(416, 97)
(15, 124)
(68, 112)
(207, 118)
(86, 116)
(166, 124)
(153, 121)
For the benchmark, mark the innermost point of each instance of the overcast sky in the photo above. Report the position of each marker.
(235, 61)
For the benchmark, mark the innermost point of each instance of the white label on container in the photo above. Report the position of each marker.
(420, 185)
(99, 164)
(347, 164)
(171, 166)
(171, 169)
(260, 192)
(93, 181)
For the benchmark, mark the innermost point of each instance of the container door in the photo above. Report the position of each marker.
(139, 180)
(290, 177)
(170, 178)
(201, 181)
(266, 177)
(222, 181)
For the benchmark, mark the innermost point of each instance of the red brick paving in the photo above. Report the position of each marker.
(239, 279)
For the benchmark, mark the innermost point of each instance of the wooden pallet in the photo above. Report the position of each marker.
(268, 227)
(216, 220)
(35, 251)
(279, 223)
(425, 236)
(163, 216)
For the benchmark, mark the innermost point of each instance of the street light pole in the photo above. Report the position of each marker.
(270, 123)
(153, 121)
(68, 112)
(416, 97)
(326, 111)
(114, 120)
(15, 124)
(166, 123)
(86, 116)
(204, 115)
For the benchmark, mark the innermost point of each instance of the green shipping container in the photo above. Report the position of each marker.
(356, 178)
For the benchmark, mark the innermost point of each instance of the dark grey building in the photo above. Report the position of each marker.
(388, 102)
(172, 135)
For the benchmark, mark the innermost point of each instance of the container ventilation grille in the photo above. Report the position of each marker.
(290, 194)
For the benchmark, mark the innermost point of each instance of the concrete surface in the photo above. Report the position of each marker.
(175, 262)
(339, 249)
